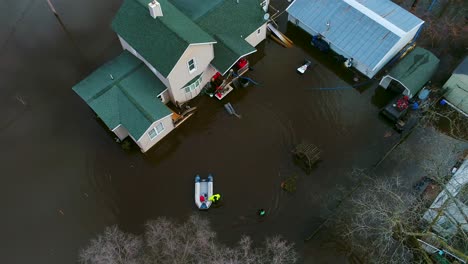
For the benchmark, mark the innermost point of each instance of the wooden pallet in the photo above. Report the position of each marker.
(308, 153)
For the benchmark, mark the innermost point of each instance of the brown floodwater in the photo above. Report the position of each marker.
(64, 178)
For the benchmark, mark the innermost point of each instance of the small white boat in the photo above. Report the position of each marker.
(203, 190)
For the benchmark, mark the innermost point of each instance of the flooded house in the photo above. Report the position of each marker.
(456, 88)
(367, 33)
(448, 212)
(172, 49)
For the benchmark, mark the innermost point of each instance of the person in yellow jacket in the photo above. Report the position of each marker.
(215, 198)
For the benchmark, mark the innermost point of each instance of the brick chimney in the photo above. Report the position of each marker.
(155, 9)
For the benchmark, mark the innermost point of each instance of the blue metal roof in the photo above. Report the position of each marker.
(393, 13)
(357, 35)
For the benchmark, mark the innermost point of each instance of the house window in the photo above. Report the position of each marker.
(192, 66)
(259, 31)
(152, 134)
(193, 86)
(160, 98)
(158, 129)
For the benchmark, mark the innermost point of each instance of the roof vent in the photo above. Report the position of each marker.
(155, 9)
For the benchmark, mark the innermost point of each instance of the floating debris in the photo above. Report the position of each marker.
(289, 184)
(231, 110)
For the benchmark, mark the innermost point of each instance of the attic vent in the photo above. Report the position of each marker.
(155, 9)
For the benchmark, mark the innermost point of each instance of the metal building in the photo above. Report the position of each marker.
(371, 32)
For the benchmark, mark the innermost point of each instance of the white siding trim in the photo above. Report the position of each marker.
(247, 54)
(290, 6)
(147, 130)
(163, 92)
(116, 127)
(456, 108)
(205, 43)
(408, 92)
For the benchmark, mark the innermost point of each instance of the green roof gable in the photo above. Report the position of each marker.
(415, 69)
(195, 9)
(231, 22)
(457, 87)
(124, 92)
(162, 40)
(229, 50)
(229, 17)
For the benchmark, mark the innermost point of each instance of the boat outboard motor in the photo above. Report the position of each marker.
(348, 63)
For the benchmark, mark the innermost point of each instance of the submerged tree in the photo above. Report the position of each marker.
(194, 241)
(376, 222)
(113, 247)
(383, 223)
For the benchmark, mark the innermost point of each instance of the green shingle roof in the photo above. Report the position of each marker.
(129, 99)
(231, 22)
(195, 9)
(228, 50)
(415, 69)
(229, 17)
(162, 40)
(457, 87)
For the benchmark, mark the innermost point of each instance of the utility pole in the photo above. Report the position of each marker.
(52, 8)
(69, 35)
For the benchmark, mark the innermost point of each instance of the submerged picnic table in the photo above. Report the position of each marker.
(307, 153)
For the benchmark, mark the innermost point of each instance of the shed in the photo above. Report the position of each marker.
(449, 209)
(371, 32)
(413, 71)
(457, 88)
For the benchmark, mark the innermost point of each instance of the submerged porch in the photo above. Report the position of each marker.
(220, 86)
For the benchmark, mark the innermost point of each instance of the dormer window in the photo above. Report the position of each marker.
(191, 65)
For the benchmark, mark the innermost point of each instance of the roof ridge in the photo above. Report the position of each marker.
(164, 24)
(383, 21)
(209, 12)
(145, 113)
(220, 36)
(108, 87)
(167, 25)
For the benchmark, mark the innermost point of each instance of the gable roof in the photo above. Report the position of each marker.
(230, 23)
(457, 87)
(229, 50)
(194, 9)
(363, 29)
(124, 92)
(162, 40)
(462, 68)
(391, 12)
(415, 70)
